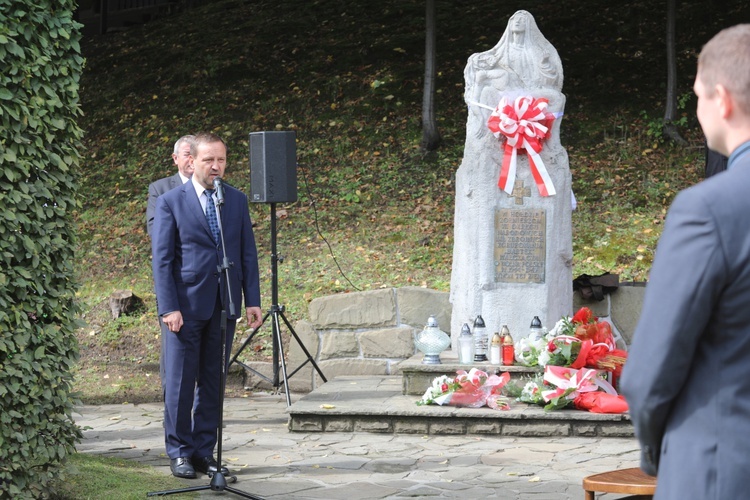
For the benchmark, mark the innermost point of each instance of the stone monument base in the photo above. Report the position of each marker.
(375, 404)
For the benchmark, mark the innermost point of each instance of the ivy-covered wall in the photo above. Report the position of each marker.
(39, 157)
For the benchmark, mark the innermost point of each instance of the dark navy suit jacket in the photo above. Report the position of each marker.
(156, 189)
(186, 259)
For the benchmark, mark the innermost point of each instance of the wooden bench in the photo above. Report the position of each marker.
(629, 481)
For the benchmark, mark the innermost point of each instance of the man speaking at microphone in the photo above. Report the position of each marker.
(187, 254)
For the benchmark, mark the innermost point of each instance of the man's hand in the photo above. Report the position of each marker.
(254, 317)
(173, 321)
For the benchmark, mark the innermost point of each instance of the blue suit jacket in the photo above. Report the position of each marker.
(687, 378)
(186, 259)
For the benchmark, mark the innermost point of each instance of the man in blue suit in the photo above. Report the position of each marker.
(181, 158)
(687, 378)
(186, 260)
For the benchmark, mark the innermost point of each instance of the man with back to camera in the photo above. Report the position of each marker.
(687, 378)
(186, 259)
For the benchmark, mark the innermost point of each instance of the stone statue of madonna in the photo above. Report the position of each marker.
(523, 63)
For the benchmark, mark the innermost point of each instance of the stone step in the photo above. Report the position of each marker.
(376, 404)
(418, 377)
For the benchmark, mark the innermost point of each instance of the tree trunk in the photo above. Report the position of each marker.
(670, 112)
(430, 134)
(121, 302)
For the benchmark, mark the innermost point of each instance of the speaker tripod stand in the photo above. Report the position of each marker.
(276, 314)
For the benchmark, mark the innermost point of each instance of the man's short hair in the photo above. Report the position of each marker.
(725, 60)
(205, 138)
(185, 138)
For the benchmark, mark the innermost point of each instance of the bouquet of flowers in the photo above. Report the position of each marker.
(576, 355)
(585, 389)
(532, 391)
(580, 341)
(473, 390)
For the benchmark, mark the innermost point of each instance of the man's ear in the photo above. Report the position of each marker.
(726, 102)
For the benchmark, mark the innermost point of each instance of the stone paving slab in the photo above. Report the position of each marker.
(274, 463)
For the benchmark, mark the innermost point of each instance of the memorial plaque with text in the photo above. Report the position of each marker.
(520, 246)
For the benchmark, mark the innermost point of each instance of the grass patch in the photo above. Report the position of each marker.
(93, 477)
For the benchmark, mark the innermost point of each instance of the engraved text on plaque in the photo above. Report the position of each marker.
(520, 246)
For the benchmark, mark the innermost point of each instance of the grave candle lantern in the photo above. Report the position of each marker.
(432, 341)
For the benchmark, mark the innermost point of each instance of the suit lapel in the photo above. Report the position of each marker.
(194, 207)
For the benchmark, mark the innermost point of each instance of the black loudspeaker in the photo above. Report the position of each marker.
(273, 167)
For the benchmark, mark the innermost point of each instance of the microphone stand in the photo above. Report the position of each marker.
(218, 481)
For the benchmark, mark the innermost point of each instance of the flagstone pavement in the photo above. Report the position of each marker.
(271, 462)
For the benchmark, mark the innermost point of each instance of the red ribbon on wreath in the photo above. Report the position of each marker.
(525, 123)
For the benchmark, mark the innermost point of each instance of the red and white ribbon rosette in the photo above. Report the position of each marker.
(525, 123)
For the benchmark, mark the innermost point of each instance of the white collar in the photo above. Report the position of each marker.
(198, 187)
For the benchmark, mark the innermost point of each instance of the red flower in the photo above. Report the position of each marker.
(583, 316)
(444, 387)
(586, 331)
(596, 354)
(604, 334)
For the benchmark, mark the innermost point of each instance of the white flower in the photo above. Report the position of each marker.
(436, 389)
(528, 389)
(544, 358)
(524, 352)
(532, 392)
(557, 329)
(540, 344)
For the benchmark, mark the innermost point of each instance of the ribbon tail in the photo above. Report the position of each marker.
(605, 386)
(554, 393)
(508, 169)
(541, 176)
(479, 104)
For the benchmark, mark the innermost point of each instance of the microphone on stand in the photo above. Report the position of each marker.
(219, 187)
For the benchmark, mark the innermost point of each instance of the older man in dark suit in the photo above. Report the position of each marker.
(187, 254)
(687, 379)
(181, 159)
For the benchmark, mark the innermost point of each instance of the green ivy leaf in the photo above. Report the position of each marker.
(39, 107)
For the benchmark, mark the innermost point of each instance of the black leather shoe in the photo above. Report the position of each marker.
(182, 467)
(208, 465)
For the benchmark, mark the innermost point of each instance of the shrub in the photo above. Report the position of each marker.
(39, 157)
